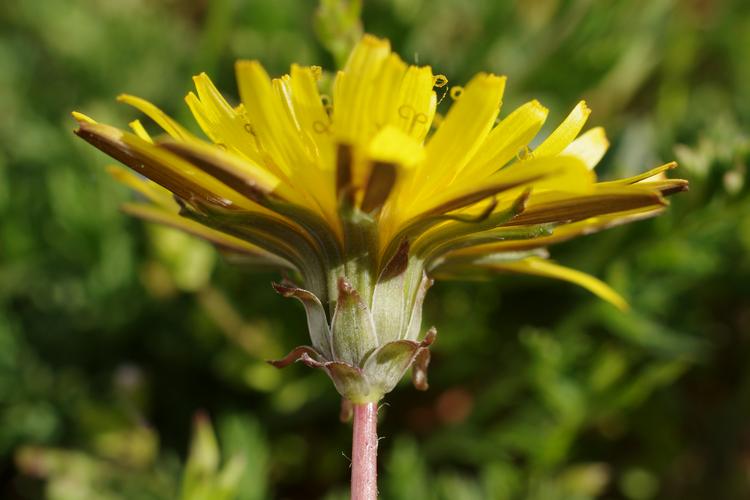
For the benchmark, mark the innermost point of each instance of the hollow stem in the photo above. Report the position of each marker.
(365, 452)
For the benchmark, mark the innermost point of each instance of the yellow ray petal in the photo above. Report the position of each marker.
(508, 183)
(642, 176)
(240, 174)
(80, 117)
(315, 174)
(507, 139)
(589, 147)
(161, 166)
(393, 145)
(553, 206)
(278, 134)
(311, 114)
(354, 117)
(221, 122)
(184, 172)
(159, 216)
(160, 117)
(266, 116)
(565, 232)
(545, 268)
(564, 172)
(138, 129)
(462, 132)
(378, 100)
(566, 132)
(416, 102)
(570, 181)
(152, 191)
(456, 227)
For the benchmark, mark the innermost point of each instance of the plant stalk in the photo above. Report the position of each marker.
(365, 452)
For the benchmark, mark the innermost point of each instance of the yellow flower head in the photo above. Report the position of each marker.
(367, 193)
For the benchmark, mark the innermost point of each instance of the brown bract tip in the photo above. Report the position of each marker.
(283, 289)
(675, 186)
(303, 353)
(346, 289)
(429, 337)
(419, 370)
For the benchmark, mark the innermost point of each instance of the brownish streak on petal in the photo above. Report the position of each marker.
(379, 186)
(582, 207)
(479, 195)
(562, 233)
(668, 187)
(472, 219)
(160, 174)
(218, 238)
(246, 186)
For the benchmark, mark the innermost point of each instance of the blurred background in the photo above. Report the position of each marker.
(132, 357)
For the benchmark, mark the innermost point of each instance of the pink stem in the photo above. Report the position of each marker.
(365, 452)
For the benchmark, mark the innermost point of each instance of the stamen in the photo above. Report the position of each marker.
(456, 92)
(327, 104)
(443, 96)
(439, 81)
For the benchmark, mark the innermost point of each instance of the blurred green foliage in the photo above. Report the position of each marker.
(113, 334)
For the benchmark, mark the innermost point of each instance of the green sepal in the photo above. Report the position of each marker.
(386, 366)
(353, 333)
(415, 319)
(390, 297)
(382, 369)
(351, 382)
(317, 323)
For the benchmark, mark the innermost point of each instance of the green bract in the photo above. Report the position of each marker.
(370, 336)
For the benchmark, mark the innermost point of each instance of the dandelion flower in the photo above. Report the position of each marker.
(366, 195)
